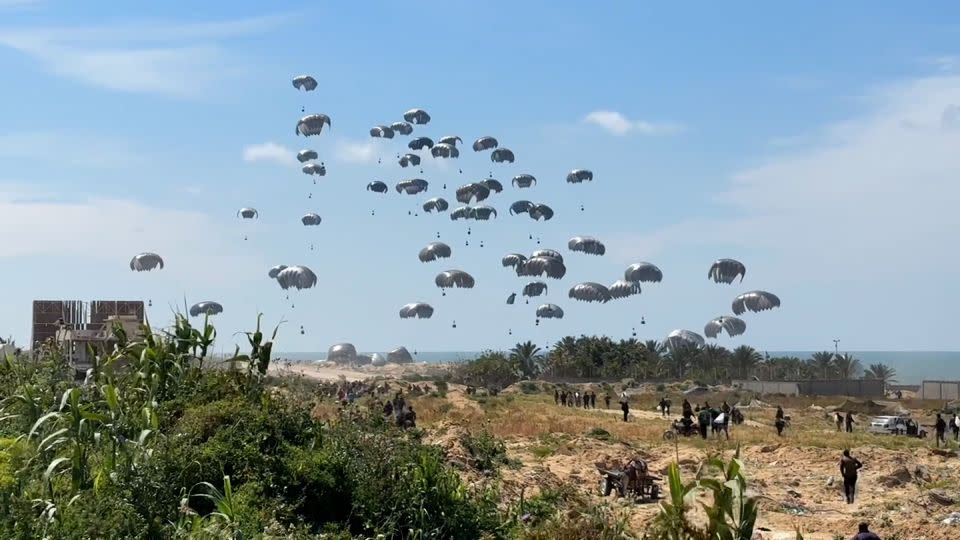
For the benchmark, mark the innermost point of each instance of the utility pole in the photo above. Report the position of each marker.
(836, 348)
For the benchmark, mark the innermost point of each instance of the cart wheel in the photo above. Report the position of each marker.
(606, 486)
(669, 435)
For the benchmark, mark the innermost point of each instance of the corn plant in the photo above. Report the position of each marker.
(222, 521)
(733, 514)
(258, 361)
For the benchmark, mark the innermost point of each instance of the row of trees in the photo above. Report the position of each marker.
(602, 357)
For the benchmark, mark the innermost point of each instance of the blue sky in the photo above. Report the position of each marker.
(816, 145)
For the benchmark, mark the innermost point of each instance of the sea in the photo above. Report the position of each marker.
(912, 367)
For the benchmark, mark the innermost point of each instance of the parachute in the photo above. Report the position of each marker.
(732, 325)
(755, 301)
(145, 262)
(205, 308)
(305, 83)
(434, 251)
(312, 124)
(726, 270)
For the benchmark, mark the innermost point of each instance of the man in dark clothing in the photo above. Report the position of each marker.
(593, 399)
(848, 469)
(663, 406)
(606, 401)
(780, 424)
(667, 401)
(704, 421)
(625, 407)
(556, 397)
(779, 413)
(839, 420)
(850, 422)
(725, 408)
(687, 409)
(941, 427)
(865, 534)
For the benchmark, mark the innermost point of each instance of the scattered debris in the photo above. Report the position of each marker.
(952, 519)
(942, 497)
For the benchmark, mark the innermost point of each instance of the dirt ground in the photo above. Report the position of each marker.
(906, 488)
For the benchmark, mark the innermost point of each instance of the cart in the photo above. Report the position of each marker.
(680, 429)
(634, 480)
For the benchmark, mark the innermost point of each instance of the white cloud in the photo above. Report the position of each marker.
(177, 60)
(618, 124)
(355, 152)
(270, 151)
(110, 230)
(879, 188)
(68, 149)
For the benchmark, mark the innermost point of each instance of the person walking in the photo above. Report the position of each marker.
(863, 533)
(624, 405)
(850, 422)
(593, 399)
(849, 467)
(703, 422)
(940, 426)
(663, 406)
(556, 396)
(955, 426)
(839, 419)
(606, 401)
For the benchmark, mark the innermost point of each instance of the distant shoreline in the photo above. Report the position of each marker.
(913, 367)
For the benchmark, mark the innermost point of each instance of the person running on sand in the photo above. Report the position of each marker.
(865, 534)
(940, 426)
(721, 424)
(849, 466)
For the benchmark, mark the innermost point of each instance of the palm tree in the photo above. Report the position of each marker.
(847, 366)
(654, 352)
(528, 358)
(713, 360)
(883, 372)
(744, 360)
(823, 361)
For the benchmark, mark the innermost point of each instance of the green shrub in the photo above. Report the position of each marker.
(529, 387)
(600, 434)
(487, 452)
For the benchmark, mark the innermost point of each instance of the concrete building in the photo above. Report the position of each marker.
(78, 328)
(941, 390)
(862, 388)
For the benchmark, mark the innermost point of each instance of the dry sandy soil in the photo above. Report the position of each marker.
(797, 475)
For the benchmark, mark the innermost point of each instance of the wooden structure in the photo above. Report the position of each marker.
(73, 326)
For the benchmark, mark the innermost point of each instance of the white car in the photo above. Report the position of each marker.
(888, 424)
